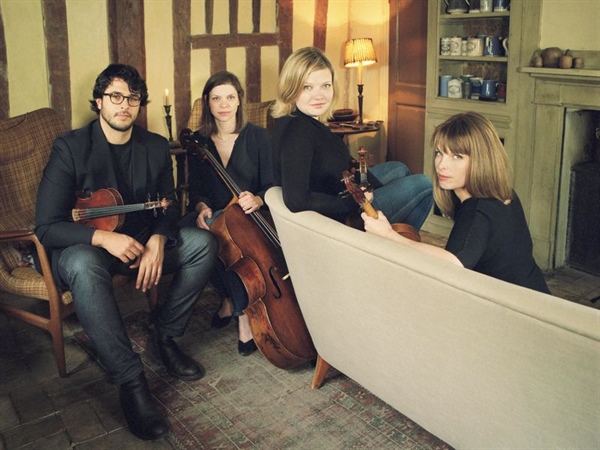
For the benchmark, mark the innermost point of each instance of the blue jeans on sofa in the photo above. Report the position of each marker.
(404, 197)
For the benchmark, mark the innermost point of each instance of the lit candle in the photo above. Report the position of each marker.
(359, 73)
(166, 96)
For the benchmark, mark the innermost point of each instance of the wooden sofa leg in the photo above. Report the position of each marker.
(321, 370)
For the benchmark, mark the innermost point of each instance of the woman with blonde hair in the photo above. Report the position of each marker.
(310, 159)
(473, 187)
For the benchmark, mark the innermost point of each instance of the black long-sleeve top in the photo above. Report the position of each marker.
(493, 238)
(309, 161)
(250, 166)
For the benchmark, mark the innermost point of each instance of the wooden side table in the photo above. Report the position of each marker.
(345, 129)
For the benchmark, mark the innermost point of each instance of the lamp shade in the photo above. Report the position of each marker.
(359, 52)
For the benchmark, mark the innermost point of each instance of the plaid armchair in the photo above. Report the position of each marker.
(25, 144)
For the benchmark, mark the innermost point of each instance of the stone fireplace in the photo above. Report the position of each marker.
(567, 107)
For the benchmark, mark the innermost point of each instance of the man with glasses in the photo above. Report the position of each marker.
(112, 152)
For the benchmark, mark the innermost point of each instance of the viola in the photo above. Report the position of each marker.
(249, 246)
(404, 229)
(104, 209)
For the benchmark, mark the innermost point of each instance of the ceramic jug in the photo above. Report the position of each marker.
(488, 90)
(457, 6)
(493, 46)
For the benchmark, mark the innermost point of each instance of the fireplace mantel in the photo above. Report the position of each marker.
(583, 76)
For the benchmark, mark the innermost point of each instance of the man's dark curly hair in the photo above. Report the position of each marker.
(129, 74)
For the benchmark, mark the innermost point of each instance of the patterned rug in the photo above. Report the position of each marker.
(246, 403)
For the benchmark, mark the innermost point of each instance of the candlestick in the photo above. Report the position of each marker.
(360, 104)
(168, 119)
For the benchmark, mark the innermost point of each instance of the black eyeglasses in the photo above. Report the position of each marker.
(116, 98)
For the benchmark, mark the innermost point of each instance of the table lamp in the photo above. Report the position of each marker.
(358, 53)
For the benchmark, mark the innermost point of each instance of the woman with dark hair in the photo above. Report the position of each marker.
(473, 187)
(244, 150)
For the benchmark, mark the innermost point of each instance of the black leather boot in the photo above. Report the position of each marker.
(175, 361)
(143, 415)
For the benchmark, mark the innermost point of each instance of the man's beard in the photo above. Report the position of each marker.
(118, 126)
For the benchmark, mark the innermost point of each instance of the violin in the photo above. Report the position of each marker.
(249, 246)
(104, 209)
(404, 229)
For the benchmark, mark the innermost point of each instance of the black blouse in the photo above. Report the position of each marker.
(493, 238)
(250, 166)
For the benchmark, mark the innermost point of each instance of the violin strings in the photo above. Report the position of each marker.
(93, 213)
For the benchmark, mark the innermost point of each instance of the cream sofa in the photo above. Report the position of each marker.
(476, 361)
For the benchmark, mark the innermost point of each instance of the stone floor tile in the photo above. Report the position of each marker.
(14, 375)
(42, 365)
(81, 393)
(108, 410)
(32, 403)
(33, 432)
(59, 441)
(84, 375)
(8, 414)
(81, 422)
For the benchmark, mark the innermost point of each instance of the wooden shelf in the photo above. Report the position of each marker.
(467, 16)
(501, 59)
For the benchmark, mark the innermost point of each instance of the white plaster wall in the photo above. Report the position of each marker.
(570, 24)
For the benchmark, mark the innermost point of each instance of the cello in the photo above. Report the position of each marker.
(249, 246)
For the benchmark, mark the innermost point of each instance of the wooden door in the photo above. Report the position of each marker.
(408, 61)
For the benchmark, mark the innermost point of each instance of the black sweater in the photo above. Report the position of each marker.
(493, 238)
(309, 161)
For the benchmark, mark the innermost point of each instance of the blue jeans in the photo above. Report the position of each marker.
(226, 282)
(404, 197)
(88, 271)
